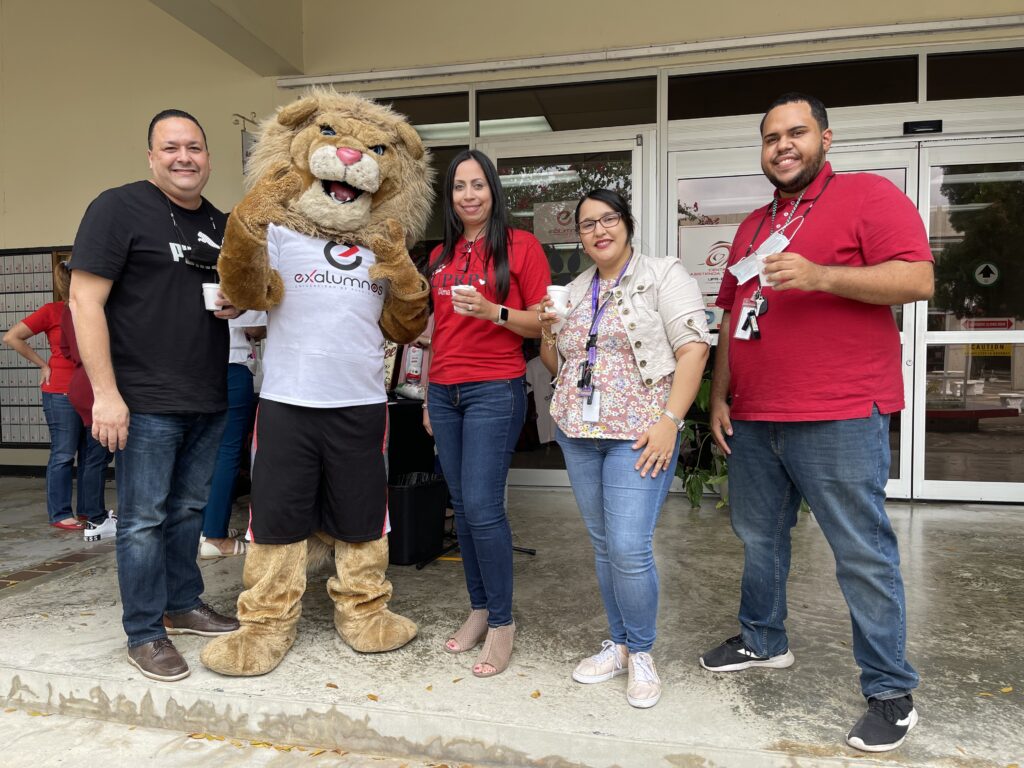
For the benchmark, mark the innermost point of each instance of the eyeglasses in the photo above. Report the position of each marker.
(608, 221)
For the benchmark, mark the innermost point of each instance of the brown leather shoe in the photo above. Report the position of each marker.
(201, 620)
(158, 660)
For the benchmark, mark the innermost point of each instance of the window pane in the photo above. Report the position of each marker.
(976, 75)
(974, 430)
(440, 159)
(976, 227)
(440, 116)
(750, 91)
(569, 107)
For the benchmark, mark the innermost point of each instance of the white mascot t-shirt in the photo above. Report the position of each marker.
(324, 348)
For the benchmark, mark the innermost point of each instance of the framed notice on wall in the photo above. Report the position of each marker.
(704, 251)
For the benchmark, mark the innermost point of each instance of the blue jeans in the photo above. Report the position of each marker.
(476, 427)
(241, 405)
(163, 481)
(840, 468)
(69, 436)
(620, 509)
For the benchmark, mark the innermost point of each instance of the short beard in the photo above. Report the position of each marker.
(802, 180)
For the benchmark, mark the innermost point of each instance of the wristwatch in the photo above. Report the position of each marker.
(502, 315)
(680, 423)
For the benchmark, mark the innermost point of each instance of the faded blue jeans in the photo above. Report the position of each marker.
(241, 406)
(840, 467)
(68, 436)
(620, 509)
(163, 481)
(476, 427)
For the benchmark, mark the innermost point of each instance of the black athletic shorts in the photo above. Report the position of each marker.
(318, 469)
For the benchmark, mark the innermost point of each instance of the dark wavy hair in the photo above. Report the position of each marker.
(613, 200)
(496, 239)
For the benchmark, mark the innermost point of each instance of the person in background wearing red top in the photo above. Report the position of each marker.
(810, 355)
(487, 281)
(68, 436)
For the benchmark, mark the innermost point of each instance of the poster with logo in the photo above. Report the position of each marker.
(554, 223)
(704, 251)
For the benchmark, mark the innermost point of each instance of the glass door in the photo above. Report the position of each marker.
(543, 181)
(712, 191)
(968, 424)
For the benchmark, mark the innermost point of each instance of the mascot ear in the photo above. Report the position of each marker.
(295, 113)
(411, 139)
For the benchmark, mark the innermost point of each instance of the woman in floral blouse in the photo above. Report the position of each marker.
(627, 362)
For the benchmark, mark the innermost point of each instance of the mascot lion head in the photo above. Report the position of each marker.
(360, 163)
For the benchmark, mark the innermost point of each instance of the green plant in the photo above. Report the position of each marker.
(703, 465)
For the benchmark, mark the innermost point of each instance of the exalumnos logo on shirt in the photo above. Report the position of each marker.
(342, 261)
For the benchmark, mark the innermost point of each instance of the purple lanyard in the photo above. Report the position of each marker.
(585, 383)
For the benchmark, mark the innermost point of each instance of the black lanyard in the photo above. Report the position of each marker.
(814, 201)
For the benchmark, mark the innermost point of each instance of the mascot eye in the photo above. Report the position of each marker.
(326, 130)
(377, 149)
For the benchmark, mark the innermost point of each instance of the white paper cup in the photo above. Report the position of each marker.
(559, 296)
(465, 290)
(210, 291)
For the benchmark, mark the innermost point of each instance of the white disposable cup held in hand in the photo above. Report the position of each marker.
(463, 289)
(559, 296)
(210, 291)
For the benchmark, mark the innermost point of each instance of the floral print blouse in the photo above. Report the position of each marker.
(628, 408)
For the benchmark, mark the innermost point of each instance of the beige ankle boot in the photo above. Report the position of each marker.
(360, 592)
(274, 578)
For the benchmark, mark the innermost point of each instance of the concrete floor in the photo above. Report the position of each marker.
(62, 651)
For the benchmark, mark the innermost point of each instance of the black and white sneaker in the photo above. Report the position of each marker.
(104, 530)
(734, 655)
(885, 725)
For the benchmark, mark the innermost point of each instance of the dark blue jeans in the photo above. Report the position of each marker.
(840, 467)
(68, 436)
(241, 404)
(163, 481)
(476, 427)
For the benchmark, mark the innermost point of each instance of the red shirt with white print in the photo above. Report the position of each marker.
(467, 349)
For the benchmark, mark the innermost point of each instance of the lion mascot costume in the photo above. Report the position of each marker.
(335, 186)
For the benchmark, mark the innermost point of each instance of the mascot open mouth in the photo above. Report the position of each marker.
(340, 192)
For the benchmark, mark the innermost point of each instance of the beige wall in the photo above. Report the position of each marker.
(79, 82)
(459, 31)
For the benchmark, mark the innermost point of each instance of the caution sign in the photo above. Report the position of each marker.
(986, 273)
(991, 350)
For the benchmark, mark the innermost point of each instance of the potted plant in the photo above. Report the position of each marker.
(702, 465)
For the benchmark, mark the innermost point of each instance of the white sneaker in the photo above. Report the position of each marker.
(644, 687)
(608, 663)
(105, 530)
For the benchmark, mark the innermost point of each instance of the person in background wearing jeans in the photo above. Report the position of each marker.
(218, 540)
(810, 355)
(476, 395)
(157, 360)
(68, 436)
(627, 365)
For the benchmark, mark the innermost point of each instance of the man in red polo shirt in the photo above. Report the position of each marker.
(806, 375)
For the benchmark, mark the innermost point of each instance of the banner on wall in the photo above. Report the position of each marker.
(554, 222)
(704, 251)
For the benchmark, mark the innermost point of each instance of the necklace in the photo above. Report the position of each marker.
(775, 208)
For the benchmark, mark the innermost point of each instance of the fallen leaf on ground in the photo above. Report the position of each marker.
(87, 613)
(1007, 689)
(316, 752)
(10, 709)
(260, 744)
(985, 693)
(430, 687)
(236, 743)
(456, 679)
(332, 685)
(283, 747)
(214, 737)
(373, 697)
(535, 695)
(197, 735)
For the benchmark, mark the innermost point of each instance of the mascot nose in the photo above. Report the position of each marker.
(349, 156)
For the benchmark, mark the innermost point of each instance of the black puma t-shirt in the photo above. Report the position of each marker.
(169, 352)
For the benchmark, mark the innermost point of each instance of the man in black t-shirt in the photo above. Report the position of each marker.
(157, 360)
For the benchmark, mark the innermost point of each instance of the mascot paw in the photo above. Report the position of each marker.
(388, 245)
(246, 652)
(379, 632)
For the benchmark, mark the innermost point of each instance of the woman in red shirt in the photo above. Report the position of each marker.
(487, 281)
(68, 435)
